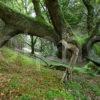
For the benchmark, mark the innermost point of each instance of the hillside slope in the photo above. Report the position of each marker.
(24, 78)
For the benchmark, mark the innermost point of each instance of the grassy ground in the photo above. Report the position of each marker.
(24, 78)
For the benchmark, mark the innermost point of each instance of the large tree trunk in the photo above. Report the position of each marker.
(20, 23)
(57, 18)
(65, 35)
(88, 46)
(6, 32)
(92, 27)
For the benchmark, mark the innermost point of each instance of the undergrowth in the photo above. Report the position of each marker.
(25, 78)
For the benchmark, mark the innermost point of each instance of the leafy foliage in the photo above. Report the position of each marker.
(72, 10)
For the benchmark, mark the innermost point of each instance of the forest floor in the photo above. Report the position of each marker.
(24, 78)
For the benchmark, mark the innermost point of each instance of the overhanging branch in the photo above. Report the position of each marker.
(26, 24)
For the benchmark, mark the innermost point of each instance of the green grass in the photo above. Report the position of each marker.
(51, 94)
(25, 78)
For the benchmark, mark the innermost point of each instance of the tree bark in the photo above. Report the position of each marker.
(92, 27)
(24, 24)
(57, 18)
(65, 35)
(6, 32)
(90, 16)
(88, 46)
(37, 7)
(36, 4)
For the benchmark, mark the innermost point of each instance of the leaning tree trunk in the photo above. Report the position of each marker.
(16, 23)
(88, 46)
(65, 36)
(92, 27)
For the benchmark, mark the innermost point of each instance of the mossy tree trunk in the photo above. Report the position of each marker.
(15, 23)
(93, 24)
(65, 33)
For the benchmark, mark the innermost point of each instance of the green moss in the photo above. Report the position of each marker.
(80, 39)
(95, 88)
(96, 47)
(8, 54)
(54, 94)
(25, 97)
